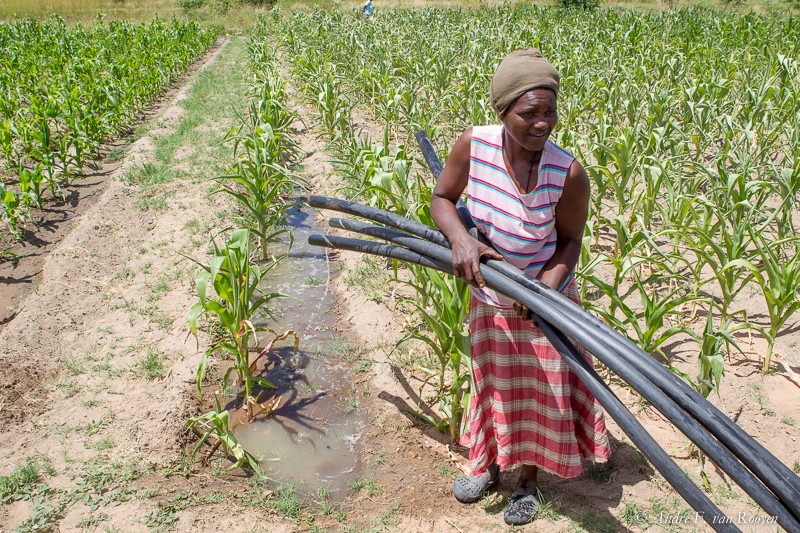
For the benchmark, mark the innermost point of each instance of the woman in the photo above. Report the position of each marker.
(530, 198)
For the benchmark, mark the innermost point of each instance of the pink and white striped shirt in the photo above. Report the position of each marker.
(521, 226)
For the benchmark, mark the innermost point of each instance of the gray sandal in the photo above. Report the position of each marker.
(522, 508)
(468, 489)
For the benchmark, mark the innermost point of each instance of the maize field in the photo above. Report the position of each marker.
(66, 90)
(684, 120)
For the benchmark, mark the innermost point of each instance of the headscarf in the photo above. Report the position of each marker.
(518, 73)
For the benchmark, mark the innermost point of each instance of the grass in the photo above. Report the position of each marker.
(237, 19)
(724, 492)
(19, 484)
(600, 472)
(156, 204)
(314, 281)
(92, 522)
(549, 511)
(105, 444)
(72, 366)
(350, 404)
(367, 484)
(286, 501)
(369, 277)
(323, 497)
(152, 365)
(186, 151)
(364, 366)
(95, 427)
(634, 516)
(760, 399)
(446, 472)
(165, 518)
(66, 386)
(594, 522)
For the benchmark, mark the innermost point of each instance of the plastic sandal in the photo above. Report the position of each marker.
(468, 489)
(522, 508)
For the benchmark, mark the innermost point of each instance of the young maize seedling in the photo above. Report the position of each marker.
(216, 424)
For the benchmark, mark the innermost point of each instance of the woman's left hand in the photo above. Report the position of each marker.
(523, 312)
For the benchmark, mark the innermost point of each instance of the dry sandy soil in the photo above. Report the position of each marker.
(74, 394)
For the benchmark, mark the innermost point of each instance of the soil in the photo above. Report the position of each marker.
(81, 320)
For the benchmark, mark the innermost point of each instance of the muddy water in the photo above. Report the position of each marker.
(312, 439)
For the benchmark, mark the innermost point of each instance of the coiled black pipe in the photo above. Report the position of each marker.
(676, 477)
(720, 455)
(777, 476)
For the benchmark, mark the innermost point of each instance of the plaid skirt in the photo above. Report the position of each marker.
(527, 406)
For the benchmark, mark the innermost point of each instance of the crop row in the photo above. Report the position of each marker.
(66, 89)
(263, 187)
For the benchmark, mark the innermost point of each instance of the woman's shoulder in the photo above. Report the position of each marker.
(487, 131)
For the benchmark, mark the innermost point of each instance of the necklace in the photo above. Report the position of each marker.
(530, 175)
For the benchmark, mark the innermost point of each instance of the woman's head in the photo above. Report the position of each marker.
(520, 72)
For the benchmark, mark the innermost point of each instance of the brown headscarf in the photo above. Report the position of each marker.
(518, 73)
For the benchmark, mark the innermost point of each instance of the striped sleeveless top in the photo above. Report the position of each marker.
(521, 227)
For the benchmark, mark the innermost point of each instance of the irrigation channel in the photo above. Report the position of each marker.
(774, 487)
(312, 438)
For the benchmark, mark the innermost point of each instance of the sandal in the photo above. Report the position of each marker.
(468, 489)
(522, 508)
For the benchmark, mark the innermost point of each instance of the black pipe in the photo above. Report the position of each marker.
(676, 477)
(429, 153)
(561, 320)
(777, 476)
(774, 474)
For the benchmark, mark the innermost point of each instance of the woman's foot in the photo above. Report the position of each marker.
(468, 489)
(524, 502)
(522, 507)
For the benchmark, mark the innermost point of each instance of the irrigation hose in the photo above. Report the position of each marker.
(720, 455)
(676, 477)
(777, 476)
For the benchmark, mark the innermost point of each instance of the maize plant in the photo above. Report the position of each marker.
(236, 299)
(216, 423)
(442, 304)
(780, 260)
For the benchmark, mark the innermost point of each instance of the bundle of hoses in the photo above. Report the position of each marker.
(761, 475)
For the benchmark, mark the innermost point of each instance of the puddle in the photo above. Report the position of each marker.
(312, 439)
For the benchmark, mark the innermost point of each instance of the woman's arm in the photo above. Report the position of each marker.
(571, 214)
(467, 251)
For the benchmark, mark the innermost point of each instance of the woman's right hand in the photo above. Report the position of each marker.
(467, 253)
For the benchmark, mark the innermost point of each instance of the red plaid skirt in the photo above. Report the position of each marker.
(526, 406)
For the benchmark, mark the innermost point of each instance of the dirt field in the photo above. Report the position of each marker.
(98, 375)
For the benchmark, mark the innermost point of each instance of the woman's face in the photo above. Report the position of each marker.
(531, 118)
